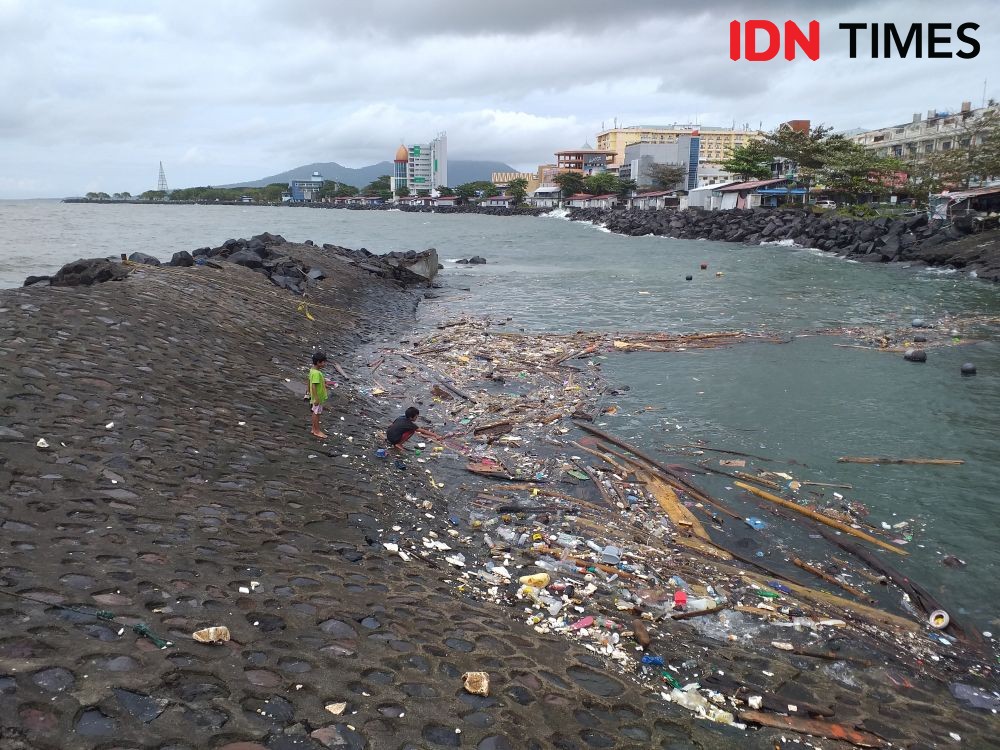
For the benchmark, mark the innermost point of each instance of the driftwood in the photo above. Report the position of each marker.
(917, 593)
(820, 517)
(815, 727)
(907, 461)
(831, 579)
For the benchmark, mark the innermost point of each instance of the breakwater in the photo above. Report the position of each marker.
(913, 240)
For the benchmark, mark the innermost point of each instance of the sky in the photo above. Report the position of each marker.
(95, 94)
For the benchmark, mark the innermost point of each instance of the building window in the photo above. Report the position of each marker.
(965, 142)
(946, 146)
(928, 148)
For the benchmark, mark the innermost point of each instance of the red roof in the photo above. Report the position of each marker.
(654, 194)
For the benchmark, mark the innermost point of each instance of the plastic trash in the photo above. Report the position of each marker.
(477, 683)
(975, 697)
(938, 619)
(217, 634)
(680, 599)
(755, 523)
(611, 555)
(536, 580)
(380, 453)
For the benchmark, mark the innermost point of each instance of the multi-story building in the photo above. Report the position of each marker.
(715, 144)
(305, 191)
(921, 137)
(426, 167)
(639, 157)
(586, 159)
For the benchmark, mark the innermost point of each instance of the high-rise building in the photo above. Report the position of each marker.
(715, 144)
(423, 168)
(683, 152)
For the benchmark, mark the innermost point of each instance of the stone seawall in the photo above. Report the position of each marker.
(913, 240)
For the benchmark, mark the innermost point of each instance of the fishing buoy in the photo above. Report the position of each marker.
(915, 355)
(968, 369)
(704, 266)
(938, 619)
(688, 277)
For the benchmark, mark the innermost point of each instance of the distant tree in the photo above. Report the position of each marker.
(328, 189)
(749, 162)
(666, 176)
(271, 193)
(806, 149)
(479, 188)
(102, 196)
(852, 170)
(377, 186)
(126, 195)
(402, 191)
(346, 191)
(446, 191)
(626, 186)
(91, 196)
(518, 190)
(570, 183)
(153, 195)
(974, 156)
(601, 183)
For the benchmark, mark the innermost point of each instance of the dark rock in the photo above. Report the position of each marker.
(316, 274)
(968, 368)
(915, 355)
(201, 252)
(246, 258)
(144, 258)
(182, 259)
(37, 280)
(85, 272)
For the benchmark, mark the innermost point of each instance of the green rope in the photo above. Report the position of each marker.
(140, 629)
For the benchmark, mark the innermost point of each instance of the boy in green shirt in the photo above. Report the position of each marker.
(317, 391)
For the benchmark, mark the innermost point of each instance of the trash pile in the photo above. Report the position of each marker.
(587, 536)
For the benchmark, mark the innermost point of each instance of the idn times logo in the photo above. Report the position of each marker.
(760, 40)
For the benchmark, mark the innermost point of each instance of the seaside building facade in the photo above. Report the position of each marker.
(684, 151)
(587, 160)
(922, 137)
(503, 179)
(424, 170)
(305, 191)
(714, 145)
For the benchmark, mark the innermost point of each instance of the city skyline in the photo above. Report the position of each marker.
(227, 92)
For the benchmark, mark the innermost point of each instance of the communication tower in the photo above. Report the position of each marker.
(161, 183)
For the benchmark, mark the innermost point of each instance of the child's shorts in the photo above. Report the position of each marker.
(317, 409)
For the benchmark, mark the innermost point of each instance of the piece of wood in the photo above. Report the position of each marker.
(699, 613)
(907, 461)
(832, 579)
(723, 450)
(758, 480)
(816, 727)
(819, 517)
(829, 484)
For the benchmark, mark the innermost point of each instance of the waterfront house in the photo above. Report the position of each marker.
(499, 201)
(306, 191)
(546, 196)
(653, 200)
(583, 200)
(445, 201)
(707, 197)
(760, 193)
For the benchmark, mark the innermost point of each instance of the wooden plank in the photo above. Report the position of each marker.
(816, 727)
(819, 517)
(906, 461)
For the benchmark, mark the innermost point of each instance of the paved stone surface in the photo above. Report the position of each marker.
(180, 489)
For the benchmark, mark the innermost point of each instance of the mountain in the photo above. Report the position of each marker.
(459, 171)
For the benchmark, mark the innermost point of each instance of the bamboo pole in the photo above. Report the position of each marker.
(906, 461)
(816, 727)
(831, 579)
(819, 517)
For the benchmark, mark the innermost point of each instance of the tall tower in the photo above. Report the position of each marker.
(161, 182)
(398, 179)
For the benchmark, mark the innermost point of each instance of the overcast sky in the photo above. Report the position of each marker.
(95, 94)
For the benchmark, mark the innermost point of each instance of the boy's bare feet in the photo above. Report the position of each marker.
(321, 435)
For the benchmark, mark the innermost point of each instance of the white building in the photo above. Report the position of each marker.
(919, 138)
(546, 196)
(426, 167)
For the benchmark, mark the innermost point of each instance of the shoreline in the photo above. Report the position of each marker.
(179, 473)
(913, 241)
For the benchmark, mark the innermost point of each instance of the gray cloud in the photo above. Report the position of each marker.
(222, 91)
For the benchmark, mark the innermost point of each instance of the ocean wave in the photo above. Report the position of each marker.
(778, 243)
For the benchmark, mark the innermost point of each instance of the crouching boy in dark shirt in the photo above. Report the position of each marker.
(403, 428)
